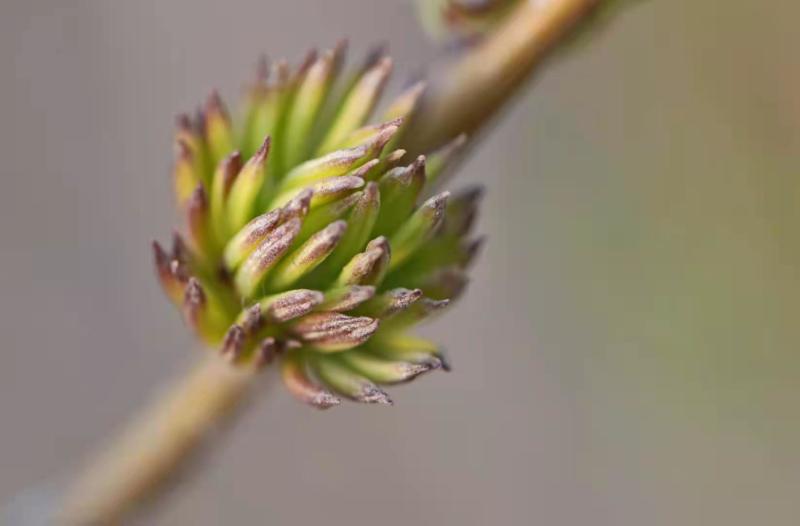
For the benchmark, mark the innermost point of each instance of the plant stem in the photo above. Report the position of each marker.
(464, 94)
(156, 444)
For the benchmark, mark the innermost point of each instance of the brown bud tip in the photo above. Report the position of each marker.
(263, 151)
(372, 394)
(194, 295)
(324, 400)
(293, 304)
(253, 319)
(333, 331)
(160, 257)
(267, 351)
(233, 343)
(298, 206)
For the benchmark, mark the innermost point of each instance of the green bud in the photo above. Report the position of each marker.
(245, 192)
(333, 332)
(221, 184)
(345, 299)
(252, 272)
(381, 370)
(296, 380)
(368, 267)
(400, 188)
(218, 130)
(418, 229)
(343, 380)
(357, 105)
(306, 258)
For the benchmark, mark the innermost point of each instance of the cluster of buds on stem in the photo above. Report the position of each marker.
(310, 241)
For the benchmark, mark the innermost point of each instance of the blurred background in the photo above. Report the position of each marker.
(627, 352)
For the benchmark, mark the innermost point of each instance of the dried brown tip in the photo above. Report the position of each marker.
(231, 166)
(263, 151)
(355, 296)
(233, 343)
(333, 331)
(253, 320)
(293, 304)
(266, 352)
(372, 394)
(298, 206)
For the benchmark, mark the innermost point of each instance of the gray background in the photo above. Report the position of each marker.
(627, 353)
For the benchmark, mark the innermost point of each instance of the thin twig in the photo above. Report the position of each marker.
(156, 444)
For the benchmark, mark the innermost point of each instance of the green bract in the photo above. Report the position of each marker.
(310, 240)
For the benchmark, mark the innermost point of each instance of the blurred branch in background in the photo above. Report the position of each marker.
(467, 92)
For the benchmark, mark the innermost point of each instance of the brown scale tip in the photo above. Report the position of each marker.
(183, 122)
(335, 331)
(160, 257)
(324, 400)
(231, 166)
(294, 304)
(180, 251)
(372, 394)
(253, 319)
(233, 343)
(298, 206)
(194, 295)
(267, 350)
(444, 362)
(474, 249)
(261, 155)
(400, 299)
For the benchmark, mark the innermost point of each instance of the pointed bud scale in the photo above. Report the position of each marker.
(338, 162)
(368, 267)
(247, 188)
(263, 109)
(445, 283)
(358, 104)
(296, 380)
(390, 302)
(326, 191)
(444, 158)
(361, 222)
(418, 229)
(419, 311)
(203, 313)
(266, 352)
(400, 346)
(191, 145)
(404, 104)
(172, 282)
(323, 215)
(400, 189)
(345, 299)
(199, 222)
(286, 306)
(376, 135)
(218, 130)
(462, 209)
(252, 272)
(308, 256)
(382, 371)
(332, 332)
(221, 184)
(250, 237)
(233, 343)
(347, 382)
(307, 102)
(185, 178)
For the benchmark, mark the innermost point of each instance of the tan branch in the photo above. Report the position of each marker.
(465, 93)
(156, 444)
